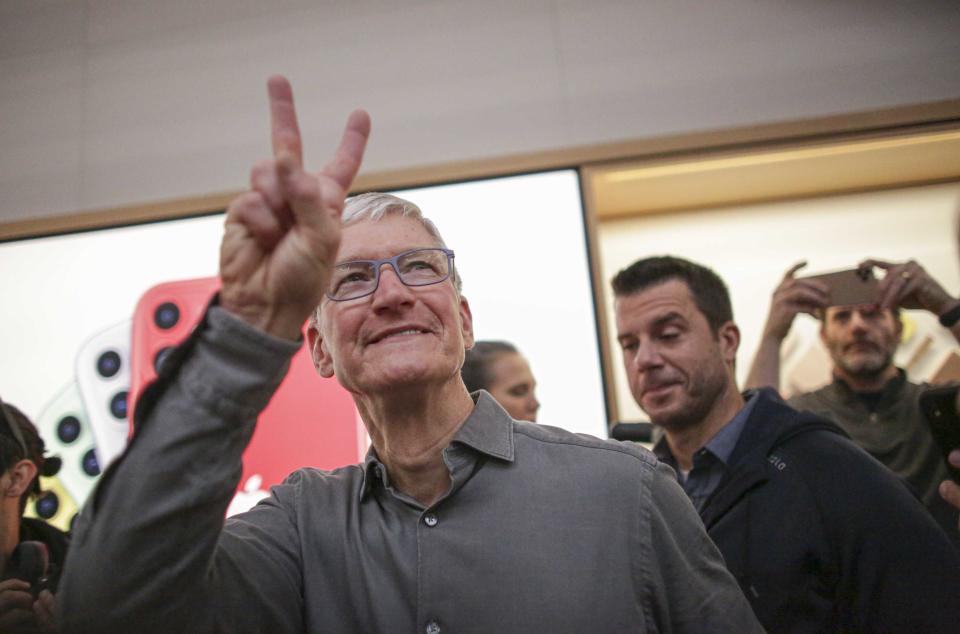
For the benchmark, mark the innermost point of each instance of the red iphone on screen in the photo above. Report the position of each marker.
(310, 422)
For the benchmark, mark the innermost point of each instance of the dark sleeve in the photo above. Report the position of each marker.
(898, 572)
(149, 551)
(691, 588)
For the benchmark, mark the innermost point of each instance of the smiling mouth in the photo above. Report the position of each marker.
(400, 333)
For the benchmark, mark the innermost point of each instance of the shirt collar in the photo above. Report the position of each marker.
(487, 430)
(723, 442)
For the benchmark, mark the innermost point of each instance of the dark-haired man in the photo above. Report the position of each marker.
(22, 607)
(869, 397)
(820, 536)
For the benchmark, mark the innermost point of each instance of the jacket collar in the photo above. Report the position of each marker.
(771, 423)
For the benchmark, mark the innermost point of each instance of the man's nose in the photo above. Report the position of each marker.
(391, 291)
(857, 322)
(647, 356)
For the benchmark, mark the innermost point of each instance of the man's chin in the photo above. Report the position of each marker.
(865, 366)
(670, 418)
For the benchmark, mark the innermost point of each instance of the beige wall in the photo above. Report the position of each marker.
(116, 102)
(750, 248)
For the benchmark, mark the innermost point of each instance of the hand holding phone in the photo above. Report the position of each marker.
(794, 295)
(909, 285)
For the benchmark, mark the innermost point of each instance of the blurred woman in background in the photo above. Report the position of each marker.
(498, 368)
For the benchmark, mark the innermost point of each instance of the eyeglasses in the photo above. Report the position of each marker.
(419, 267)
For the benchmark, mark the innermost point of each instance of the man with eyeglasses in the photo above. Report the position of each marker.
(459, 520)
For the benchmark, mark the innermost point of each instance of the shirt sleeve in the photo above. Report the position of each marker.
(691, 588)
(149, 550)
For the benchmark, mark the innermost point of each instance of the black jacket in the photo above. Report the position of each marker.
(822, 537)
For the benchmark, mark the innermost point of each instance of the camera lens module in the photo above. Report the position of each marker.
(89, 464)
(68, 429)
(160, 357)
(48, 505)
(118, 405)
(166, 316)
(108, 364)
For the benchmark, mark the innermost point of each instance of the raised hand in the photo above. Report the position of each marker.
(793, 296)
(908, 285)
(281, 238)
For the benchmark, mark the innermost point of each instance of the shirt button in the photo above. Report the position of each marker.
(433, 627)
(431, 520)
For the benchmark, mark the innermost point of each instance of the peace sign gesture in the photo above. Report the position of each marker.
(281, 238)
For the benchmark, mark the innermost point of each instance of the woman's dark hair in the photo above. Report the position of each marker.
(476, 365)
(12, 452)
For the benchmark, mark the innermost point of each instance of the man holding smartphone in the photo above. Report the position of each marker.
(869, 397)
(820, 536)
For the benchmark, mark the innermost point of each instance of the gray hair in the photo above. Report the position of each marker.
(373, 206)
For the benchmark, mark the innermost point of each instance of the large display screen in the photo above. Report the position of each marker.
(521, 249)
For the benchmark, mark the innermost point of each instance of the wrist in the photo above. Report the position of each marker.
(773, 337)
(274, 321)
(950, 315)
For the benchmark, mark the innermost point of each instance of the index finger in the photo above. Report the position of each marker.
(345, 164)
(284, 129)
(793, 269)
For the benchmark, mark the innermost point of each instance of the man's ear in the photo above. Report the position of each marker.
(466, 323)
(318, 352)
(21, 475)
(729, 338)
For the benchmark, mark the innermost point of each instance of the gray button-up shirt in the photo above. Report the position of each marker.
(541, 530)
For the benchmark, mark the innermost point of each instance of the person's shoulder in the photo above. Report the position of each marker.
(830, 463)
(819, 396)
(564, 442)
(312, 478)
